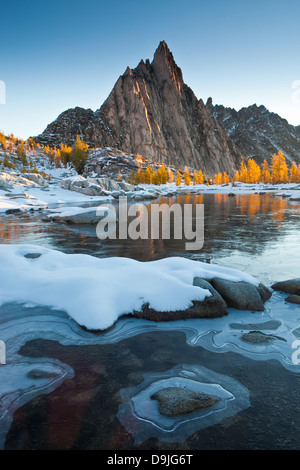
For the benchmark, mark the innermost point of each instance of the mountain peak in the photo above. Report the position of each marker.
(163, 46)
(165, 67)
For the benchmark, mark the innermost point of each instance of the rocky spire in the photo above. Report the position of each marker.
(164, 66)
(151, 111)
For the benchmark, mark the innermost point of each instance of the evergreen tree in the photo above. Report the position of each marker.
(293, 173)
(158, 177)
(201, 177)
(279, 169)
(148, 175)
(6, 162)
(171, 176)
(80, 154)
(253, 172)
(178, 178)
(195, 177)
(186, 176)
(243, 173)
(265, 172)
(226, 178)
(131, 178)
(140, 177)
(218, 178)
(164, 174)
(65, 154)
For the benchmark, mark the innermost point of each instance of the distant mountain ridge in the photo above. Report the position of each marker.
(257, 132)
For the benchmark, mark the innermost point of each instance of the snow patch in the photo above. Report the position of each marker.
(95, 292)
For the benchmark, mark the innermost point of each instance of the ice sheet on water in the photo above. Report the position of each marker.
(140, 414)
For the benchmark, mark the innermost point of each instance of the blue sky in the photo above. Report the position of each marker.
(55, 55)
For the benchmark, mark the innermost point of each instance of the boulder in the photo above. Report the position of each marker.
(126, 186)
(93, 186)
(211, 307)
(13, 211)
(264, 292)
(293, 298)
(241, 295)
(214, 306)
(291, 286)
(108, 184)
(4, 185)
(81, 216)
(36, 178)
(175, 400)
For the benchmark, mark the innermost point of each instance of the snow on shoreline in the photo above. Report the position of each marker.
(26, 195)
(95, 292)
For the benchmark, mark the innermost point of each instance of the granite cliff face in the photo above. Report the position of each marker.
(257, 132)
(152, 112)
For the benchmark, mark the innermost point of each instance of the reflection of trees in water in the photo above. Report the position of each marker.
(245, 222)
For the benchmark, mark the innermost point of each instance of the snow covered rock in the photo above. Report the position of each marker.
(96, 292)
(81, 185)
(4, 185)
(36, 178)
(80, 215)
(212, 306)
(95, 186)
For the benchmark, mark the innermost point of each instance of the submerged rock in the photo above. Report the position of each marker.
(32, 255)
(267, 325)
(41, 374)
(257, 337)
(175, 400)
(291, 286)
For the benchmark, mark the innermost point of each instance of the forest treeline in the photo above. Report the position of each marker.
(279, 170)
(275, 172)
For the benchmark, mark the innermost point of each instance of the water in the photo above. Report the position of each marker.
(55, 367)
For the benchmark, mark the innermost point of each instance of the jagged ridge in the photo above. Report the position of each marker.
(151, 111)
(258, 132)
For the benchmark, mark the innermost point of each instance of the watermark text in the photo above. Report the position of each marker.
(154, 221)
(2, 352)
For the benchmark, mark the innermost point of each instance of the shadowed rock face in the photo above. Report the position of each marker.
(257, 132)
(151, 111)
